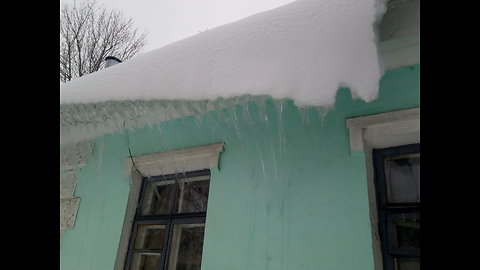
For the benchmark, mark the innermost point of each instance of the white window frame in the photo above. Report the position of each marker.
(381, 131)
(175, 161)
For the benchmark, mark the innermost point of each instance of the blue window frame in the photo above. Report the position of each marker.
(397, 184)
(169, 223)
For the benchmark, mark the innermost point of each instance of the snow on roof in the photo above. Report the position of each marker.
(304, 51)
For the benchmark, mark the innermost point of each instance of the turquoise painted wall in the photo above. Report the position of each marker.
(288, 193)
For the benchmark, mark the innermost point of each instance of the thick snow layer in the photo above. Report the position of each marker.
(304, 50)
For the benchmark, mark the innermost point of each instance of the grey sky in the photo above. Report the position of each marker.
(172, 20)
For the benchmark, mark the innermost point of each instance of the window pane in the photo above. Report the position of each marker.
(187, 246)
(149, 236)
(192, 195)
(403, 178)
(407, 263)
(157, 198)
(145, 261)
(406, 234)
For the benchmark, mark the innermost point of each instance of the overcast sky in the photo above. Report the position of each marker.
(167, 21)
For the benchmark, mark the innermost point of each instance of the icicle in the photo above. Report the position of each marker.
(246, 115)
(262, 111)
(322, 113)
(261, 162)
(101, 145)
(162, 136)
(274, 160)
(302, 112)
(182, 110)
(210, 106)
(281, 131)
(237, 129)
(146, 116)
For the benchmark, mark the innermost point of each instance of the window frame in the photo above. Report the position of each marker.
(161, 163)
(386, 212)
(169, 219)
(380, 130)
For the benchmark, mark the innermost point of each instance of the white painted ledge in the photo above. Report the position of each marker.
(182, 160)
(384, 130)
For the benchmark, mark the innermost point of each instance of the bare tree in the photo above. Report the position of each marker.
(89, 33)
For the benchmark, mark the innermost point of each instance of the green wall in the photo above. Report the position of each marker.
(288, 193)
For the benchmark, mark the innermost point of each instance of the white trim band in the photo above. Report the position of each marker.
(384, 130)
(182, 160)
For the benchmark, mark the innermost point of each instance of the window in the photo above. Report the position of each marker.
(163, 166)
(397, 184)
(169, 223)
(380, 131)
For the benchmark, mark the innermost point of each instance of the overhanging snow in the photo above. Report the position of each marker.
(304, 51)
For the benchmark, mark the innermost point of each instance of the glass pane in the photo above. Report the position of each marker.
(407, 264)
(403, 178)
(406, 234)
(187, 246)
(157, 198)
(149, 236)
(145, 261)
(192, 195)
